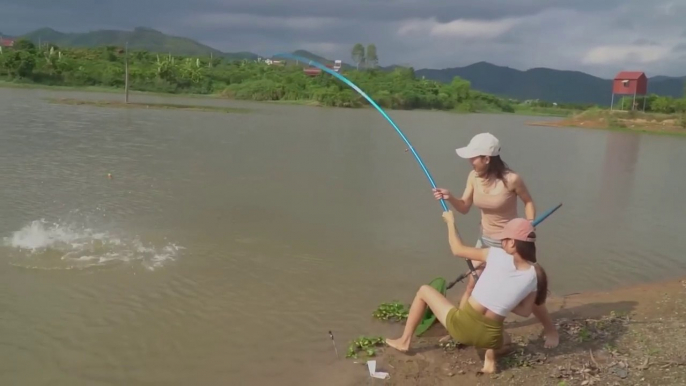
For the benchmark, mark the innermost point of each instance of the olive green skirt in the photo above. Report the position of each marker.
(471, 328)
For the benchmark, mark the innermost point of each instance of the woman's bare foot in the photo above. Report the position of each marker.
(489, 362)
(552, 339)
(398, 344)
(489, 367)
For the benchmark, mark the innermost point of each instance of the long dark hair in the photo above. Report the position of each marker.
(496, 170)
(527, 250)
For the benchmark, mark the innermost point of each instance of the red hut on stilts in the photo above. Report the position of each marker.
(630, 83)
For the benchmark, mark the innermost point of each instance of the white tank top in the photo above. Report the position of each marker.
(501, 286)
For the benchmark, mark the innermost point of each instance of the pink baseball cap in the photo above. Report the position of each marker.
(516, 229)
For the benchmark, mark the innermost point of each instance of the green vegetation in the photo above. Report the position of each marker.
(655, 104)
(365, 345)
(247, 80)
(394, 311)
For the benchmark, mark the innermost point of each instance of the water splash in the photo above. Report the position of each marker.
(44, 245)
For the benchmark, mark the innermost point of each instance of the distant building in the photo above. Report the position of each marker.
(630, 83)
(6, 42)
(314, 71)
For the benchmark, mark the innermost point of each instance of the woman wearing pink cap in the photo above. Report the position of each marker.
(510, 282)
(493, 188)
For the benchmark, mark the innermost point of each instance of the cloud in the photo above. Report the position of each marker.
(324, 48)
(619, 54)
(237, 20)
(599, 37)
(460, 28)
(645, 42)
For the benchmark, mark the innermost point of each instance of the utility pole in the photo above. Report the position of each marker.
(126, 74)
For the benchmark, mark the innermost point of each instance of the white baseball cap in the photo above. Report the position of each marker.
(484, 144)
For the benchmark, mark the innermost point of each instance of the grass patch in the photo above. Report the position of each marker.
(139, 105)
(544, 111)
(626, 115)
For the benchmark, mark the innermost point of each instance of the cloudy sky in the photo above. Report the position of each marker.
(595, 36)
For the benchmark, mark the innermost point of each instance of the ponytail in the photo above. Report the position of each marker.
(542, 285)
(527, 250)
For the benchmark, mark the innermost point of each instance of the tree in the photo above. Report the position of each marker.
(358, 54)
(663, 105)
(19, 64)
(459, 89)
(24, 45)
(372, 58)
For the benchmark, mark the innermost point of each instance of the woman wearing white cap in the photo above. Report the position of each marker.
(493, 188)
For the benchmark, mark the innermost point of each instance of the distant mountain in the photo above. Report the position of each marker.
(140, 38)
(667, 85)
(546, 84)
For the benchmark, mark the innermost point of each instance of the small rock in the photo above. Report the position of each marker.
(621, 372)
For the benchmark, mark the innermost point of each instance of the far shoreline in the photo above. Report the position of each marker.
(141, 105)
(597, 119)
(617, 120)
(532, 112)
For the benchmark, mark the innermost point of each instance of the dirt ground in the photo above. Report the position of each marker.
(632, 336)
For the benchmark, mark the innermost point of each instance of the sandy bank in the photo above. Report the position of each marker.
(621, 120)
(630, 336)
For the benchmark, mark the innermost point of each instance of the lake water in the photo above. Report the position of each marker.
(226, 246)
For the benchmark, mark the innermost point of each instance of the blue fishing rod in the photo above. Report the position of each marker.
(383, 113)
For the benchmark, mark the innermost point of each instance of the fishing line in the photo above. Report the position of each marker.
(383, 113)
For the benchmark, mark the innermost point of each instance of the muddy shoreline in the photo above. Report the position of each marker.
(671, 124)
(138, 105)
(633, 335)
